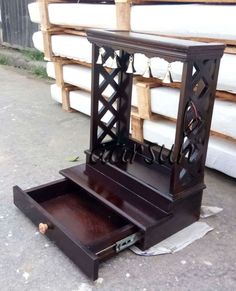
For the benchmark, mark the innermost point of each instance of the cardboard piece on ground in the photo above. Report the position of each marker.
(183, 238)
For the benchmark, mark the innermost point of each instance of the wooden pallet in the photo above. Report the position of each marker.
(65, 92)
(137, 126)
(123, 22)
(122, 13)
(47, 35)
(58, 67)
(144, 112)
(123, 8)
(154, 82)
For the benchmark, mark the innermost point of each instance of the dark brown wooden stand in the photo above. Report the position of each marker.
(127, 192)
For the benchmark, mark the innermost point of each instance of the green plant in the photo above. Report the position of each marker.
(33, 55)
(40, 72)
(4, 60)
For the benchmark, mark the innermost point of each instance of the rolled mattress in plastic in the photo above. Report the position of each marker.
(67, 46)
(221, 154)
(165, 101)
(187, 20)
(217, 21)
(226, 78)
(79, 100)
(34, 12)
(79, 48)
(73, 74)
(80, 76)
(77, 15)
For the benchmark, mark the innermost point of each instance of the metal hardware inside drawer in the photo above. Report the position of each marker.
(123, 243)
(127, 242)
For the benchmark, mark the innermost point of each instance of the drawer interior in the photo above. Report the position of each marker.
(84, 218)
(88, 219)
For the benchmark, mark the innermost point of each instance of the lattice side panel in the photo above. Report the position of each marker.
(194, 124)
(111, 98)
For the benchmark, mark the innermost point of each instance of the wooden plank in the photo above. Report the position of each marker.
(230, 50)
(137, 124)
(47, 43)
(65, 93)
(66, 97)
(73, 30)
(221, 135)
(123, 9)
(59, 74)
(154, 82)
(66, 100)
(144, 100)
(66, 61)
(137, 127)
(44, 16)
(226, 96)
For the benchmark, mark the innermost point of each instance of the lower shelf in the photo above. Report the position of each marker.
(92, 217)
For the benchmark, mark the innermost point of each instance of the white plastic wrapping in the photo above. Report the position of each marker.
(221, 154)
(77, 15)
(79, 48)
(180, 20)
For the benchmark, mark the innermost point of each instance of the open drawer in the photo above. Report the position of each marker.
(85, 229)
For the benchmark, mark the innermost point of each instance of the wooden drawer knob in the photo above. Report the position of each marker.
(43, 227)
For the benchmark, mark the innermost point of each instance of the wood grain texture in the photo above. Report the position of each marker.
(170, 49)
(79, 225)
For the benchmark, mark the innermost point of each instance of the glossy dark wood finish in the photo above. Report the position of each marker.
(171, 49)
(148, 182)
(154, 223)
(126, 202)
(80, 225)
(176, 185)
(199, 78)
(102, 202)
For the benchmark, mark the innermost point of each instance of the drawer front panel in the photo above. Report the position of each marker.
(81, 256)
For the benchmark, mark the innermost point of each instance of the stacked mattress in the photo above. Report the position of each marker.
(187, 20)
(77, 15)
(78, 48)
(164, 100)
(221, 154)
(161, 19)
(79, 76)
